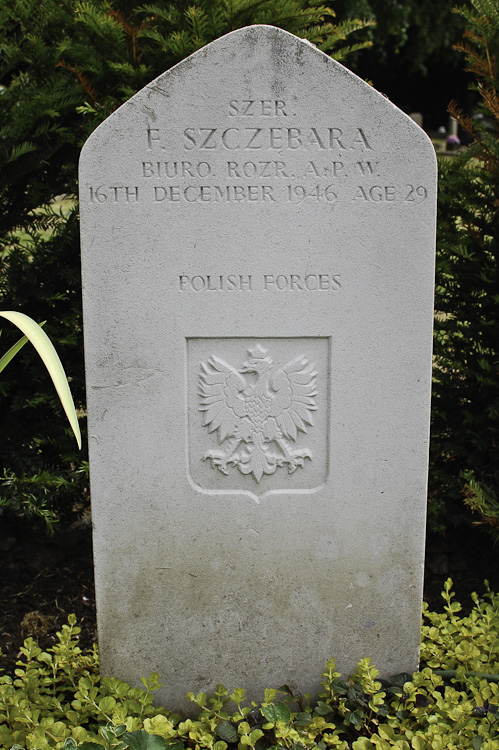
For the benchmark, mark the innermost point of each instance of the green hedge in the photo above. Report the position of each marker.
(465, 407)
(65, 65)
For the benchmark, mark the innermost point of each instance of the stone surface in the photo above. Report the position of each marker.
(258, 250)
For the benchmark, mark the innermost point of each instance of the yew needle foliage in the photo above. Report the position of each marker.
(65, 65)
(465, 409)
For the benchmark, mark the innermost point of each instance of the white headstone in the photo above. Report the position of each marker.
(258, 249)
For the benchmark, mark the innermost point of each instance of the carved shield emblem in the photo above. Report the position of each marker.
(258, 415)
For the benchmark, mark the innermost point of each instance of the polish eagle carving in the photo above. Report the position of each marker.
(257, 411)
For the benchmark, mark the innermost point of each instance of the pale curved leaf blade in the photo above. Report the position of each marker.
(50, 358)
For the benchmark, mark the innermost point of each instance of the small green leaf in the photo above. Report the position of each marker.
(270, 694)
(277, 712)
(355, 718)
(107, 704)
(255, 735)
(269, 712)
(227, 732)
(303, 719)
(107, 733)
(400, 679)
(141, 740)
(323, 709)
(283, 712)
(476, 742)
(238, 695)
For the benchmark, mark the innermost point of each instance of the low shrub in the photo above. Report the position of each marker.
(57, 699)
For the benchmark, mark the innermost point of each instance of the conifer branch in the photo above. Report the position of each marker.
(89, 89)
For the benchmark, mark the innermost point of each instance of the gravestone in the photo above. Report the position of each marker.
(258, 249)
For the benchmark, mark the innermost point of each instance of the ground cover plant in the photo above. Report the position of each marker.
(56, 698)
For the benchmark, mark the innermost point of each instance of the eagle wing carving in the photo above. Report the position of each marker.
(259, 417)
(222, 400)
(294, 402)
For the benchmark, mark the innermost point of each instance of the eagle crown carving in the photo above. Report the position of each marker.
(257, 411)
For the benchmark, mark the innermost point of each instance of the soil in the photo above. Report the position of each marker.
(43, 579)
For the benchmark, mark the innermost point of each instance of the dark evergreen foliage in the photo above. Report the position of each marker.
(413, 32)
(465, 414)
(412, 60)
(65, 65)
